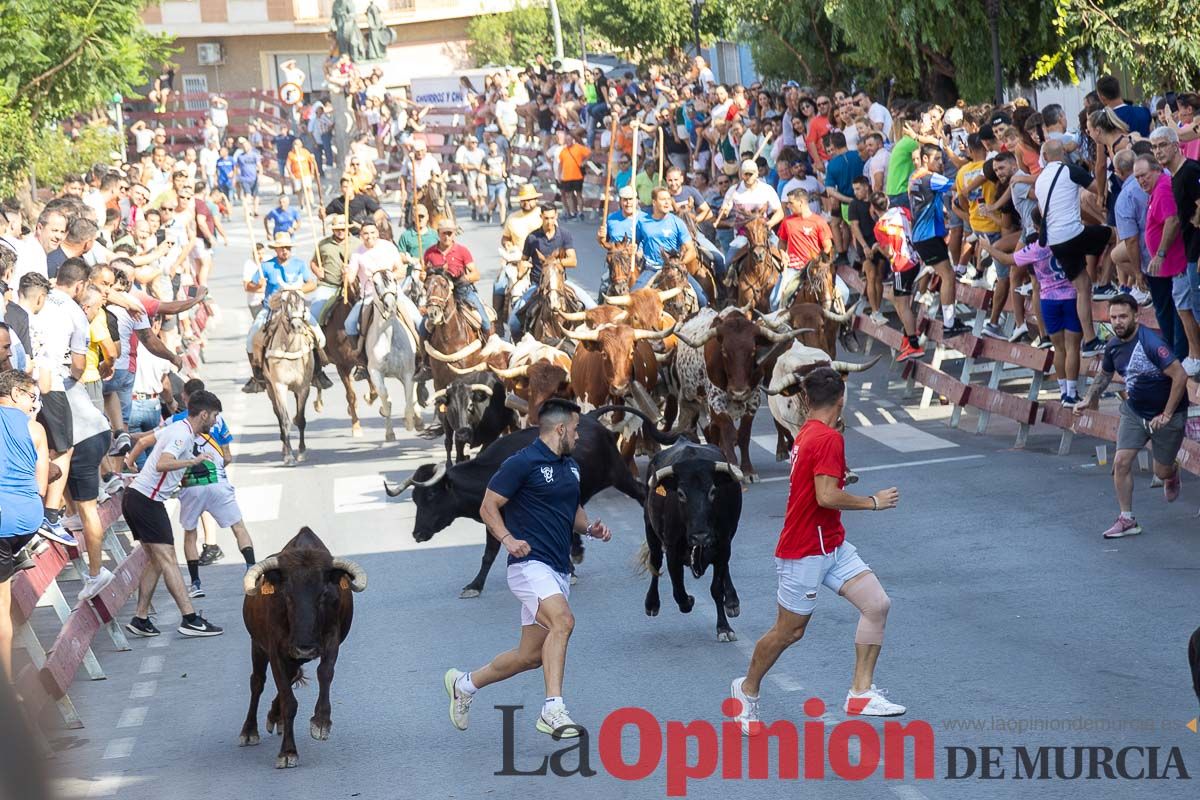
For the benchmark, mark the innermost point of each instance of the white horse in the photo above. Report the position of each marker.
(391, 347)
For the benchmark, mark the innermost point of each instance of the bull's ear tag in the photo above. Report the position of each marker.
(660, 490)
(266, 587)
(345, 582)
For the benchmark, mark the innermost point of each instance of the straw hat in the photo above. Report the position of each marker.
(338, 222)
(280, 240)
(528, 193)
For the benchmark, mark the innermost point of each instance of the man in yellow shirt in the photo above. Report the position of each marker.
(517, 225)
(971, 191)
(102, 351)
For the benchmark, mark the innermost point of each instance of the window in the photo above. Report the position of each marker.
(312, 64)
(195, 84)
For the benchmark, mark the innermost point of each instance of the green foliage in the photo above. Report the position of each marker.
(519, 35)
(795, 40)
(53, 155)
(15, 152)
(656, 29)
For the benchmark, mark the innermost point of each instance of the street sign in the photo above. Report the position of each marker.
(291, 93)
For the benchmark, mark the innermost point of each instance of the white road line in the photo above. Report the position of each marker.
(784, 681)
(766, 441)
(359, 493)
(132, 717)
(863, 421)
(908, 793)
(151, 665)
(105, 786)
(159, 641)
(119, 748)
(260, 503)
(904, 437)
(878, 467)
(883, 412)
(143, 690)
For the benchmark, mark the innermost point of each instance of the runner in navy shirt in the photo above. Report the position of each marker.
(532, 507)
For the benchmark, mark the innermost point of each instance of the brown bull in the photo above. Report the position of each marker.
(298, 607)
(532, 376)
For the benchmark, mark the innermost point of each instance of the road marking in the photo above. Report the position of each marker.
(878, 467)
(904, 437)
(143, 690)
(119, 748)
(132, 717)
(883, 412)
(359, 493)
(785, 682)
(260, 503)
(908, 793)
(152, 664)
(767, 441)
(105, 786)
(159, 641)
(863, 421)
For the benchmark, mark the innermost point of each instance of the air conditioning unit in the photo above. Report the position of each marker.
(210, 54)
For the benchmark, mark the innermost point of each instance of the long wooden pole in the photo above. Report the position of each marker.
(661, 153)
(320, 197)
(633, 181)
(612, 149)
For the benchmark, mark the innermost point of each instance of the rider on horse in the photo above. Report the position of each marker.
(456, 261)
(278, 274)
(412, 244)
(517, 227)
(806, 236)
(749, 198)
(661, 232)
(375, 254)
(618, 229)
(547, 241)
(688, 198)
(328, 264)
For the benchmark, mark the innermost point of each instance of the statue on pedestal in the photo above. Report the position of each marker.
(344, 25)
(379, 35)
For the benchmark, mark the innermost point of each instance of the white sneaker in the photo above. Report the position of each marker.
(460, 701)
(557, 722)
(1019, 332)
(749, 709)
(1191, 366)
(878, 318)
(1143, 297)
(925, 270)
(92, 586)
(872, 703)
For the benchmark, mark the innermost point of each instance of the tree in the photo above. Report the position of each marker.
(655, 29)
(795, 40)
(515, 37)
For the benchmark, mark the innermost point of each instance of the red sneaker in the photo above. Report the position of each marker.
(1171, 486)
(907, 351)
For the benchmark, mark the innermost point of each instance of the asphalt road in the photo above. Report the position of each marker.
(1008, 610)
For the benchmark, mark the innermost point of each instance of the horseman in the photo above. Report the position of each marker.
(749, 198)
(457, 263)
(329, 264)
(374, 255)
(283, 272)
(543, 243)
(661, 232)
(358, 205)
(414, 241)
(687, 198)
(421, 169)
(618, 229)
(807, 237)
(517, 226)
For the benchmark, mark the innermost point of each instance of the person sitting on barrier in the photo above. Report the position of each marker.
(893, 238)
(26, 459)
(281, 273)
(456, 262)
(1155, 409)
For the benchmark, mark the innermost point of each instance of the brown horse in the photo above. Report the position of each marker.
(344, 357)
(433, 196)
(815, 284)
(553, 296)
(674, 276)
(699, 265)
(755, 270)
(622, 269)
(450, 329)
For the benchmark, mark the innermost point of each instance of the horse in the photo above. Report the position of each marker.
(700, 266)
(449, 326)
(814, 284)
(621, 263)
(391, 347)
(342, 355)
(673, 275)
(756, 269)
(288, 366)
(433, 196)
(542, 318)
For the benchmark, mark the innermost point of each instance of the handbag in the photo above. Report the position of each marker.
(1046, 211)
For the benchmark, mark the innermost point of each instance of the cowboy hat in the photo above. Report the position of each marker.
(281, 240)
(338, 222)
(528, 192)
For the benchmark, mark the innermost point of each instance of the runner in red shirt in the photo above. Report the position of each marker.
(893, 238)
(813, 551)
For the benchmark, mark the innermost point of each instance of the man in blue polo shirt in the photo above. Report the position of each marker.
(532, 507)
(661, 232)
(282, 219)
(545, 242)
(618, 229)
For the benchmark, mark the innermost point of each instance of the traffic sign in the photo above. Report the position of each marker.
(291, 93)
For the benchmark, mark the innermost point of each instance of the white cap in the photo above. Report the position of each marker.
(748, 166)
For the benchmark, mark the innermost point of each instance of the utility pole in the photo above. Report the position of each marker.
(558, 40)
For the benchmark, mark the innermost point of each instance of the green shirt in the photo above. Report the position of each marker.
(900, 166)
(333, 261)
(644, 184)
(411, 246)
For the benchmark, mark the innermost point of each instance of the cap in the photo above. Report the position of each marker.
(445, 224)
(749, 166)
(419, 144)
(627, 193)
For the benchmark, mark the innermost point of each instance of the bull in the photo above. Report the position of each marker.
(534, 373)
(693, 504)
(473, 413)
(298, 607)
(444, 493)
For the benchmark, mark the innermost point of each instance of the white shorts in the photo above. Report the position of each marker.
(218, 499)
(532, 582)
(799, 578)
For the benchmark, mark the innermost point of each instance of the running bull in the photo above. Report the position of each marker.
(444, 493)
(693, 504)
(473, 413)
(298, 607)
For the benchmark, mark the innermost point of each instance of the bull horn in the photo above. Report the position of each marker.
(572, 316)
(617, 299)
(438, 473)
(358, 575)
(640, 334)
(661, 475)
(516, 404)
(840, 319)
(792, 381)
(850, 366)
(455, 356)
(730, 470)
(467, 370)
(252, 576)
(670, 294)
(778, 336)
(510, 373)
(770, 321)
(481, 387)
(663, 358)
(583, 334)
(697, 343)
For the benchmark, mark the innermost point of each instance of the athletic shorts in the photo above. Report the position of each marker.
(904, 283)
(249, 187)
(55, 417)
(1059, 315)
(1133, 432)
(1072, 254)
(571, 186)
(932, 251)
(799, 578)
(147, 519)
(218, 499)
(9, 545)
(95, 393)
(532, 582)
(1182, 292)
(83, 481)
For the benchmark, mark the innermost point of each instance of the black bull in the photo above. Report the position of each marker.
(444, 493)
(693, 504)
